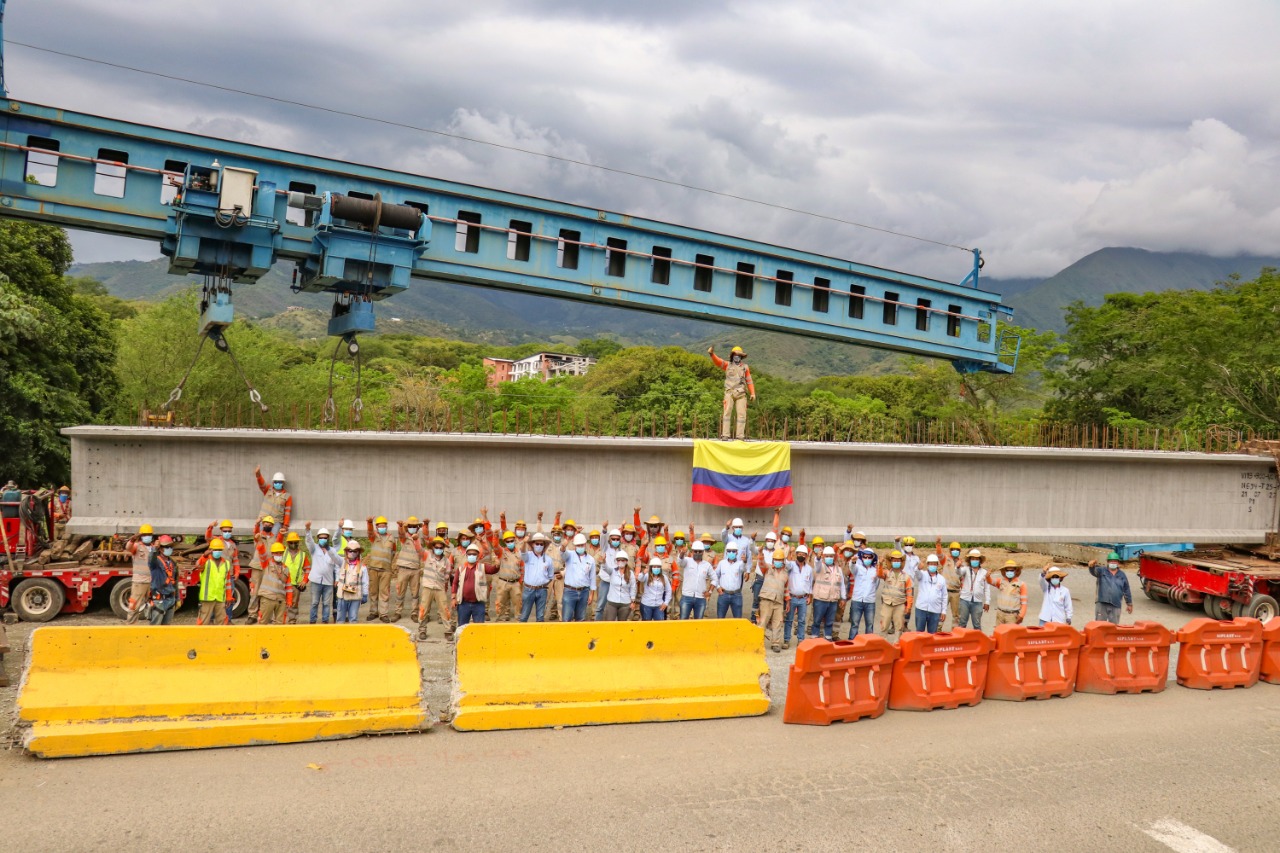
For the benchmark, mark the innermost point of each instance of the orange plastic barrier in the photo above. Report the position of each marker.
(944, 670)
(1033, 662)
(1124, 658)
(839, 682)
(1219, 654)
(1270, 671)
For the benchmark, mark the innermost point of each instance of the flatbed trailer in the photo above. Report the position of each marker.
(1224, 581)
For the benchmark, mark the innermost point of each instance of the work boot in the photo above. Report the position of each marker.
(786, 645)
(413, 616)
(386, 619)
(776, 647)
(395, 618)
(422, 633)
(373, 614)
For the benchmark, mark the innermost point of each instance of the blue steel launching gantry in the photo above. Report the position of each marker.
(228, 210)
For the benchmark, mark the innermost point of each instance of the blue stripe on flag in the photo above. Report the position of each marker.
(741, 483)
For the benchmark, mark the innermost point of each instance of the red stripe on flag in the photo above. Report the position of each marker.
(723, 497)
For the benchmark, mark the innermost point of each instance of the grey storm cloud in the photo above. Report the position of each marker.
(1038, 131)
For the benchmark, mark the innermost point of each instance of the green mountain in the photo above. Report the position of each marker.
(1116, 270)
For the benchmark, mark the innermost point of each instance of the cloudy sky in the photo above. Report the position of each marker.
(1038, 131)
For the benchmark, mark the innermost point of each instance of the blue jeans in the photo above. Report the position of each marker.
(653, 613)
(470, 611)
(573, 607)
(729, 600)
(971, 613)
(322, 597)
(926, 621)
(602, 595)
(348, 610)
(799, 607)
(755, 596)
(162, 611)
(862, 611)
(690, 604)
(824, 619)
(534, 598)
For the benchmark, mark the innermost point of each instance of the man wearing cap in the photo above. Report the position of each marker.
(298, 563)
(276, 502)
(974, 597)
(538, 572)
(773, 593)
(326, 559)
(61, 507)
(698, 580)
(275, 593)
(737, 386)
(140, 548)
(506, 595)
(470, 586)
(407, 588)
(265, 535)
(1113, 587)
(435, 582)
(579, 580)
(622, 590)
(728, 578)
(166, 589)
(930, 595)
(353, 583)
(1011, 594)
(864, 578)
(828, 590)
(896, 592)
(217, 581)
(800, 592)
(1056, 606)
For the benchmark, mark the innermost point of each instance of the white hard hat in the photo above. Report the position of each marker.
(771, 536)
(803, 549)
(580, 539)
(654, 561)
(615, 532)
(538, 537)
(324, 531)
(277, 476)
(828, 551)
(699, 546)
(932, 558)
(346, 522)
(622, 557)
(737, 522)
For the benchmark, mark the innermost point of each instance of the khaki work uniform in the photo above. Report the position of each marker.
(140, 582)
(735, 399)
(273, 591)
(436, 574)
(507, 596)
(408, 578)
(772, 596)
(951, 574)
(895, 588)
(1009, 599)
(381, 565)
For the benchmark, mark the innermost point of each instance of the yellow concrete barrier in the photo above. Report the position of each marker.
(520, 676)
(99, 691)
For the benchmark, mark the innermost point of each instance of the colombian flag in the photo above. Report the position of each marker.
(741, 473)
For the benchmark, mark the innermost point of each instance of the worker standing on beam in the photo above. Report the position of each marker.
(436, 579)
(139, 548)
(1113, 587)
(353, 583)
(738, 385)
(275, 593)
(409, 567)
(380, 565)
(298, 562)
(538, 572)
(1011, 594)
(773, 594)
(276, 502)
(165, 587)
(326, 559)
(217, 579)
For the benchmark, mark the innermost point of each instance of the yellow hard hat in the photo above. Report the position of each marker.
(659, 540)
(653, 519)
(818, 540)
(895, 555)
(521, 523)
(439, 539)
(908, 540)
(628, 528)
(595, 531)
(64, 489)
(277, 548)
(479, 522)
(442, 525)
(508, 534)
(848, 545)
(146, 528)
(266, 519)
(1012, 564)
(779, 554)
(954, 546)
(226, 524)
(215, 544)
(786, 530)
(412, 520)
(738, 351)
(293, 537)
(571, 523)
(382, 519)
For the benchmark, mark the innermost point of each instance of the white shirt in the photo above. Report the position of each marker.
(931, 591)
(799, 579)
(579, 570)
(657, 593)
(621, 592)
(1057, 603)
(696, 578)
(973, 585)
(865, 582)
(729, 574)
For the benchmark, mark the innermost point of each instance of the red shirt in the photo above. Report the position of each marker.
(467, 577)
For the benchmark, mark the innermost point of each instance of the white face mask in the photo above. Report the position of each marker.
(908, 548)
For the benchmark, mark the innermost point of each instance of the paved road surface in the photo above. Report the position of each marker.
(1183, 770)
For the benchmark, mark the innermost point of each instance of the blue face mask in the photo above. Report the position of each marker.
(777, 564)
(439, 552)
(146, 540)
(655, 571)
(731, 556)
(217, 555)
(537, 548)
(616, 543)
(661, 549)
(679, 543)
(581, 549)
(786, 537)
(1010, 575)
(955, 553)
(348, 532)
(279, 484)
(933, 568)
(413, 531)
(323, 541)
(556, 537)
(64, 498)
(471, 558)
(511, 546)
(737, 531)
(382, 528)
(168, 552)
(1056, 581)
(830, 561)
(595, 540)
(975, 563)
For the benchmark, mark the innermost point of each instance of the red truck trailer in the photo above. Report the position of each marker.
(1224, 581)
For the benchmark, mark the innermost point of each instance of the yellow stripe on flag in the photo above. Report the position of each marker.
(742, 458)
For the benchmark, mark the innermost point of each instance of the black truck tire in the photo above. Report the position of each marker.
(38, 599)
(118, 598)
(1262, 607)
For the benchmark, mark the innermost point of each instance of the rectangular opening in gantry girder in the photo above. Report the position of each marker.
(519, 240)
(661, 265)
(923, 314)
(702, 272)
(300, 215)
(857, 300)
(615, 256)
(953, 321)
(782, 287)
(821, 295)
(42, 161)
(109, 177)
(468, 236)
(744, 282)
(890, 305)
(567, 249)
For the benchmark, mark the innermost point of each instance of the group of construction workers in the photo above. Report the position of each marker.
(575, 572)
